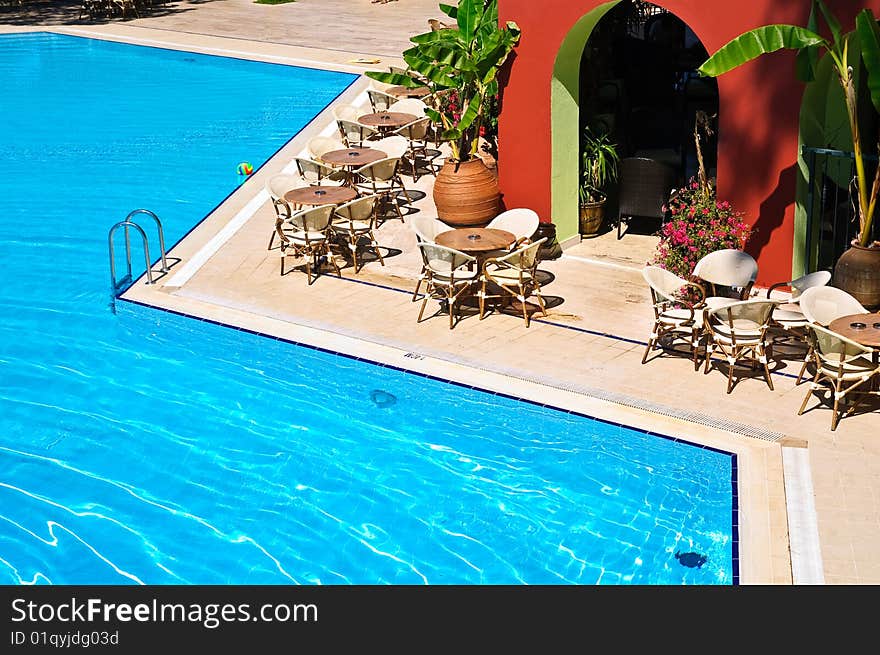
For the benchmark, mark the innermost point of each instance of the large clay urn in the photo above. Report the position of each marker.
(858, 273)
(466, 194)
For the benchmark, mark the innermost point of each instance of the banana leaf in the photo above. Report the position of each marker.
(833, 23)
(754, 43)
(869, 38)
(393, 78)
(470, 12)
(449, 10)
(808, 57)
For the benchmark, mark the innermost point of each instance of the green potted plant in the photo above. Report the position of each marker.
(462, 62)
(858, 269)
(599, 160)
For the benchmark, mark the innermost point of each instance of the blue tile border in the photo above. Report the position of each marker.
(734, 485)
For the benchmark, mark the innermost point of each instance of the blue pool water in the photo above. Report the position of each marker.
(149, 447)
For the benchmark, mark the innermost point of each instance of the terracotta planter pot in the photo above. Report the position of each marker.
(466, 194)
(592, 216)
(858, 273)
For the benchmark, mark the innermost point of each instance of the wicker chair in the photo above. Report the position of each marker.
(354, 134)
(821, 305)
(426, 228)
(846, 364)
(727, 276)
(309, 240)
(448, 277)
(379, 100)
(675, 317)
(739, 332)
(417, 134)
(514, 276)
(412, 106)
(354, 221)
(521, 222)
(319, 145)
(276, 187)
(644, 189)
(383, 177)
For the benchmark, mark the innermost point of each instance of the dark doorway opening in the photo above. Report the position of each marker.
(639, 83)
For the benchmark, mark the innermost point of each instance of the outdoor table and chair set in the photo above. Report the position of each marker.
(719, 319)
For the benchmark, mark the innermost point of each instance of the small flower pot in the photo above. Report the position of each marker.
(592, 216)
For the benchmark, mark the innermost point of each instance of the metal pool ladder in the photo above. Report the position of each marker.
(116, 286)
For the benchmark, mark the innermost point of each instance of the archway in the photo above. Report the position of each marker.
(628, 67)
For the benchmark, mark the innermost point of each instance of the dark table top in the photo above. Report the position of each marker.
(475, 240)
(408, 92)
(320, 195)
(390, 119)
(867, 336)
(353, 156)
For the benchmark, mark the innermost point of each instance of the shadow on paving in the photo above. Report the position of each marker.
(68, 12)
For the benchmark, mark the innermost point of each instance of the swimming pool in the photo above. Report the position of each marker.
(146, 447)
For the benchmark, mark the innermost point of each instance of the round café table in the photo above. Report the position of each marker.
(351, 158)
(861, 328)
(386, 121)
(475, 241)
(400, 91)
(320, 195)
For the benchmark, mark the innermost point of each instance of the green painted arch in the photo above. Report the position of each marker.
(564, 121)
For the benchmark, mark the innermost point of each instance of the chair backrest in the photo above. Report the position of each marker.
(835, 348)
(745, 315)
(801, 284)
(278, 185)
(521, 222)
(313, 219)
(353, 133)
(318, 145)
(416, 130)
(427, 227)
(645, 185)
(821, 305)
(663, 284)
(380, 171)
(442, 260)
(381, 86)
(392, 146)
(524, 258)
(409, 106)
(312, 171)
(360, 209)
(346, 113)
(728, 268)
(379, 100)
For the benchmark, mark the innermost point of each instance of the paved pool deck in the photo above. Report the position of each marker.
(808, 497)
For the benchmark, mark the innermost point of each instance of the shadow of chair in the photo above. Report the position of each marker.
(645, 185)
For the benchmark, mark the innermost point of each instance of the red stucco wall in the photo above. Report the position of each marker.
(759, 108)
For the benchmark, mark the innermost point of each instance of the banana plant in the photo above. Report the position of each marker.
(808, 42)
(466, 59)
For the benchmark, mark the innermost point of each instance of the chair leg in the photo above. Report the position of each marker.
(648, 349)
(376, 247)
(416, 291)
(803, 370)
(835, 417)
(730, 365)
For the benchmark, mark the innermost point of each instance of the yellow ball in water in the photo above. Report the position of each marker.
(244, 168)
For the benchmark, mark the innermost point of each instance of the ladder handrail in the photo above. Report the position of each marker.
(127, 224)
(164, 268)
